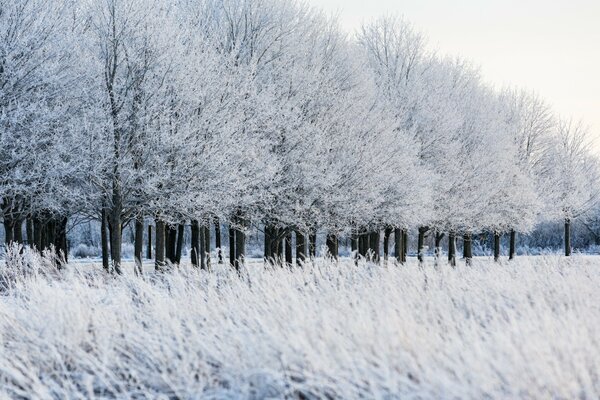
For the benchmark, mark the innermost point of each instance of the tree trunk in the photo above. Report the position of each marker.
(179, 247)
(289, 259)
(373, 241)
(37, 233)
(9, 230)
(232, 255)
(404, 245)
(18, 231)
(202, 248)
(512, 249)
(267, 253)
(171, 241)
(195, 251)
(438, 245)
(496, 246)
(421, 244)
(218, 241)
(312, 244)
(398, 244)
(116, 239)
(29, 232)
(467, 248)
(103, 239)
(300, 248)
(138, 245)
(159, 247)
(452, 249)
(206, 238)
(60, 244)
(386, 243)
(149, 248)
(332, 249)
(240, 248)
(567, 237)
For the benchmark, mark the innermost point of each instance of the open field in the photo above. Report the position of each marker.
(526, 329)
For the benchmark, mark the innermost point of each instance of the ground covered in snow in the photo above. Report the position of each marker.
(526, 329)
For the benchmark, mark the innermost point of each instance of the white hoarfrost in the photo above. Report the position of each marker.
(525, 329)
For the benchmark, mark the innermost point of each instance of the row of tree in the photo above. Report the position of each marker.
(264, 113)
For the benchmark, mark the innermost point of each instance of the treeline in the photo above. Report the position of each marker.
(263, 113)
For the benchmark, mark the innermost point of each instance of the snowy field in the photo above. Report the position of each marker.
(526, 329)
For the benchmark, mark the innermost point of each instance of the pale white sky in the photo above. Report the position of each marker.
(552, 47)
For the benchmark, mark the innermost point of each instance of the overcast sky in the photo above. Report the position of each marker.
(552, 47)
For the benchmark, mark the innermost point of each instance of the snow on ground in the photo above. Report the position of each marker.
(525, 329)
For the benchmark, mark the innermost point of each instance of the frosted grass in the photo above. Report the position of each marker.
(527, 329)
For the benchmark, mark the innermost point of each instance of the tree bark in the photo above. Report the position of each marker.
(29, 232)
(171, 243)
(232, 243)
(404, 245)
(60, 243)
(159, 247)
(312, 244)
(567, 237)
(398, 244)
(421, 244)
(138, 245)
(332, 249)
(438, 245)
(149, 248)
(116, 239)
(218, 241)
(195, 251)
(240, 249)
(467, 248)
(103, 239)
(496, 246)
(512, 249)
(9, 230)
(386, 243)
(18, 231)
(37, 233)
(452, 249)
(179, 246)
(289, 259)
(300, 248)
(207, 253)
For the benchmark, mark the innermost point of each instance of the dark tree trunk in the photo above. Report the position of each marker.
(268, 254)
(421, 243)
(240, 248)
(332, 248)
(29, 232)
(60, 243)
(195, 251)
(404, 245)
(116, 239)
(171, 243)
(149, 248)
(567, 237)
(362, 244)
(467, 248)
(159, 248)
(37, 233)
(452, 249)
(138, 245)
(289, 259)
(398, 245)
(312, 244)
(103, 239)
(512, 248)
(9, 230)
(206, 238)
(18, 231)
(300, 248)
(438, 245)
(373, 241)
(386, 243)
(232, 255)
(202, 248)
(218, 241)
(496, 246)
(179, 246)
